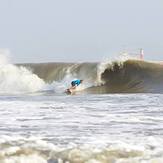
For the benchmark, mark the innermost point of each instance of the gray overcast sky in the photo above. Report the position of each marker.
(80, 30)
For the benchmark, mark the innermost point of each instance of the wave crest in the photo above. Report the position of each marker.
(130, 76)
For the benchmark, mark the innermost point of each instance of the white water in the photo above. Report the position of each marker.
(15, 79)
(49, 128)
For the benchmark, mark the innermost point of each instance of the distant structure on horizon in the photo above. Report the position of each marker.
(141, 54)
(134, 55)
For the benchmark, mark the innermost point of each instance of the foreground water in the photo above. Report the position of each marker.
(106, 128)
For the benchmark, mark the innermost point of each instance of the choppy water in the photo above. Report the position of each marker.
(84, 128)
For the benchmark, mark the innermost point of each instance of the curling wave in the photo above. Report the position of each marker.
(130, 76)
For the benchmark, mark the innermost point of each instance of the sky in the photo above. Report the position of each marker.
(80, 30)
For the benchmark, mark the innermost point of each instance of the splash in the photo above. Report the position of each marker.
(15, 79)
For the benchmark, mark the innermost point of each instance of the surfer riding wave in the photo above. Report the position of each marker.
(74, 85)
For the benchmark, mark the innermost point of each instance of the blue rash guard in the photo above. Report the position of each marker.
(75, 82)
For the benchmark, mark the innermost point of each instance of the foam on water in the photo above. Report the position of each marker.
(33, 149)
(81, 129)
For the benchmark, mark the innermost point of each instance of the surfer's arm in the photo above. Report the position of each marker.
(73, 87)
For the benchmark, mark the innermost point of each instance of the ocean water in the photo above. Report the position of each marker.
(116, 115)
(47, 127)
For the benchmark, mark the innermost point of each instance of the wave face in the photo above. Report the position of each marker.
(130, 76)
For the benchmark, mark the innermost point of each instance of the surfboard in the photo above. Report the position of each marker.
(73, 90)
(70, 91)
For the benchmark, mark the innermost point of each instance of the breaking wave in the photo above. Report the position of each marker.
(129, 76)
(119, 76)
(15, 79)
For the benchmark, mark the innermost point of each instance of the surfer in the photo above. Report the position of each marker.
(74, 84)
